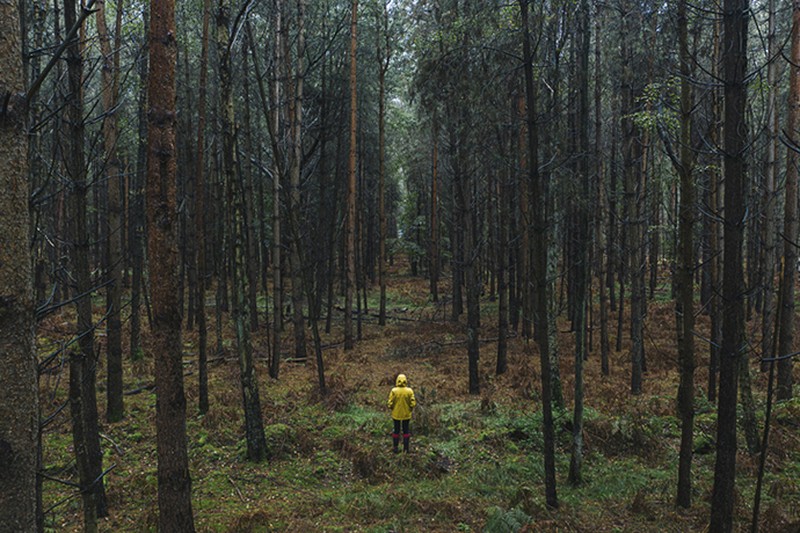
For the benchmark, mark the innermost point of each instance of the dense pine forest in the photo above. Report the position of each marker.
(227, 227)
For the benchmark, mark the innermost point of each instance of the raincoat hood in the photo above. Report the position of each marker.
(401, 380)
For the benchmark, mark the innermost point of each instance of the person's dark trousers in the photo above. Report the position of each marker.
(396, 435)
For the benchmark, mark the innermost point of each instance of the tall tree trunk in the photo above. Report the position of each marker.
(19, 404)
(235, 191)
(684, 282)
(246, 167)
(83, 398)
(770, 222)
(350, 225)
(603, 243)
(633, 193)
(464, 203)
(717, 191)
(174, 482)
(434, 246)
(526, 294)
(790, 224)
(296, 161)
(384, 56)
(110, 91)
(581, 240)
(277, 256)
(503, 211)
(200, 219)
(734, 46)
(539, 271)
(136, 213)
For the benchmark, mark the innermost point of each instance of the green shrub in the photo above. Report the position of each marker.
(281, 440)
(502, 521)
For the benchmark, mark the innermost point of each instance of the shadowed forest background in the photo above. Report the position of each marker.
(227, 226)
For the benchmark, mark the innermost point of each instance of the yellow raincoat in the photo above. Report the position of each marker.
(401, 399)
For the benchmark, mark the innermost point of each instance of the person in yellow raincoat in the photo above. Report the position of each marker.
(402, 403)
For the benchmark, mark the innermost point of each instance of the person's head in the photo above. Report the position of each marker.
(401, 380)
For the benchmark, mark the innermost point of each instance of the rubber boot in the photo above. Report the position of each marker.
(406, 438)
(395, 442)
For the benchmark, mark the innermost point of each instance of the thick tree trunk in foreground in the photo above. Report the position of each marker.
(19, 405)
(174, 482)
(734, 46)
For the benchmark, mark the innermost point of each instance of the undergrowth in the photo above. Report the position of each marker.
(475, 463)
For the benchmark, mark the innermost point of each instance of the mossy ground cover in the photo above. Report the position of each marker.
(476, 462)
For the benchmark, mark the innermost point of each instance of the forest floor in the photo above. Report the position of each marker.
(475, 461)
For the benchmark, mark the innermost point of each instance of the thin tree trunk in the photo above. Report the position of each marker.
(539, 270)
(350, 226)
(770, 221)
(384, 55)
(684, 286)
(716, 238)
(200, 219)
(464, 204)
(83, 398)
(734, 46)
(601, 210)
(526, 294)
(110, 81)
(296, 159)
(633, 193)
(581, 240)
(504, 208)
(136, 214)
(251, 231)
(235, 191)
(434, 246)
(277, 256)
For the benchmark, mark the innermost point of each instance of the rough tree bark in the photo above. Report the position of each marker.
(539, 270)
(110, 95)
(790, 224)
(581, 241)
(136, 207)
(277, 256)
(350, 225)
(734, 49)
(200, 218)
(603, 248)
(19, 406)
(770, 223)
(251, 403)
(384, 56)
(174, 482)
(684, 282)
(83, 362)
(295, 167)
